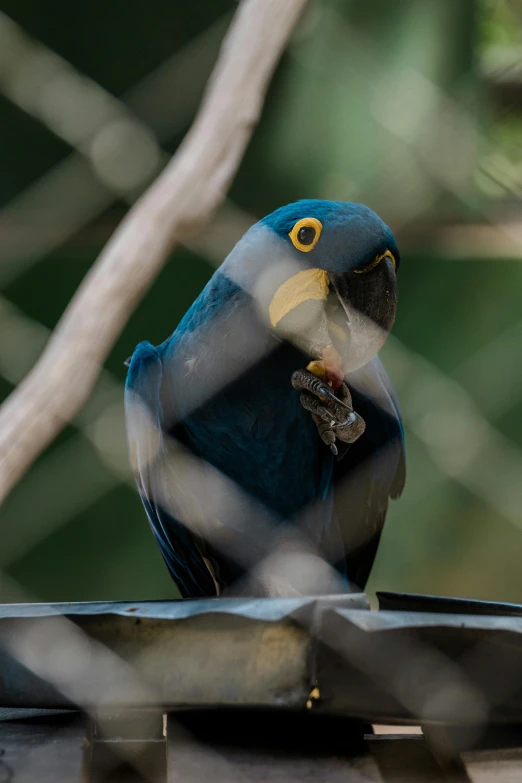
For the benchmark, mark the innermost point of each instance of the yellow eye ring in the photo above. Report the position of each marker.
(305, 234)
(377, 260)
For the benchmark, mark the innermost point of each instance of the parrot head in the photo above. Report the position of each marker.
(323, 275)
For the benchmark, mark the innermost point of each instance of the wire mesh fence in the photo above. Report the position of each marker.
(448, 182)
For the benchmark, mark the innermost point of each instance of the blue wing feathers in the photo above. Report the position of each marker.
(145, 425)
(227, 432)
(372, 471)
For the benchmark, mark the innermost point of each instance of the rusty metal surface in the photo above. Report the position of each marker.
(271, 609)
(215, 652)
(302, 654)
(413, 667)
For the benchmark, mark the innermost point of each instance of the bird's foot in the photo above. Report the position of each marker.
(333, 414)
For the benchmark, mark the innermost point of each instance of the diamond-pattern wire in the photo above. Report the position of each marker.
(14, 365)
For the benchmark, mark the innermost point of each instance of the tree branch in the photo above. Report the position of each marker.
(179, 202)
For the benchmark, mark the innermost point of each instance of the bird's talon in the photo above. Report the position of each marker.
(333, 415)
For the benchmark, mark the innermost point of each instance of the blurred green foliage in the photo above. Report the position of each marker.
(352, 113)
(499, 24)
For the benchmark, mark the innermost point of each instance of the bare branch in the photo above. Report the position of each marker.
(180, 201)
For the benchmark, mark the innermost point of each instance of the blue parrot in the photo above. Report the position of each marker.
(233, 422)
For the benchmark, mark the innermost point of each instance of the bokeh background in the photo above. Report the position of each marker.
(412, 107)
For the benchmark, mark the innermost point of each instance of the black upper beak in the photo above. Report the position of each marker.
(372, 295)
(362, 312)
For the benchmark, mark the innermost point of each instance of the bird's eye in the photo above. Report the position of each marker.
(377, 260)
(305, 234)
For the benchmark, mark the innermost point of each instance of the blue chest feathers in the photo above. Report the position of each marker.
(256, 432)
(252, 428)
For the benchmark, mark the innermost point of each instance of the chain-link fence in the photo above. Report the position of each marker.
(416, 116)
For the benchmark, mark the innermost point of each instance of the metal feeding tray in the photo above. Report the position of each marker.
(419, 659)
(310, 675)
